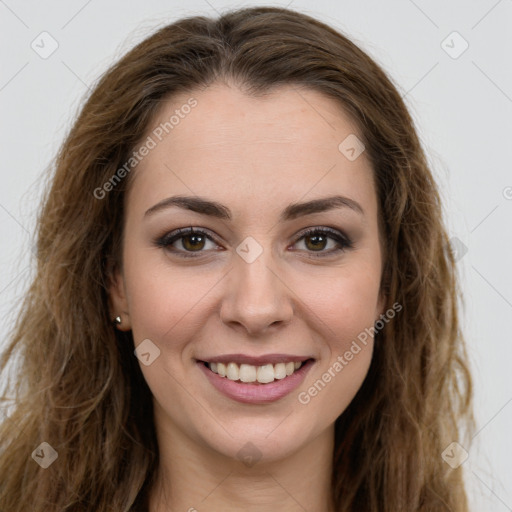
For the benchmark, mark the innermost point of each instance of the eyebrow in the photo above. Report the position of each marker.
(292, 211)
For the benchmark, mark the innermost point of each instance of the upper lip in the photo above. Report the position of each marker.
(256, 360)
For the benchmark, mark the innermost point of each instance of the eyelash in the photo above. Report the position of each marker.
(168, 239)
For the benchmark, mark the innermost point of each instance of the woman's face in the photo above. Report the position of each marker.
(251, 287)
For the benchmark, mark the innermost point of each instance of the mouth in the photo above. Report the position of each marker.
(266, 380)
(252, 374)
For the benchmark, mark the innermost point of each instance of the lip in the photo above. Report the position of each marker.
(256, 393)
(256, 360)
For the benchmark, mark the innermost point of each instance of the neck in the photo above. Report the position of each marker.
(192, 477)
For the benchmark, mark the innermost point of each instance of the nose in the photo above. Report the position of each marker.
(256, 297)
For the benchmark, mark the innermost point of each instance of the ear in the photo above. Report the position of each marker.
(118, 303)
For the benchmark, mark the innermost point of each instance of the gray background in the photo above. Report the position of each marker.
(461, 103)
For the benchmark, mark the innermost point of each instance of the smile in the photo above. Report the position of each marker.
(248, 373)
(259, 383)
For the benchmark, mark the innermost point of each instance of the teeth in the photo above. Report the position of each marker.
(249, 373)
(232, 371)
(265, 374)
(279, 371)
(221, 369)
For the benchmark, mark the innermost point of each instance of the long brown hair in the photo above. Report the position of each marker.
(78, 385)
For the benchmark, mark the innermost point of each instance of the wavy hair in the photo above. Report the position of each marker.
(77, 384)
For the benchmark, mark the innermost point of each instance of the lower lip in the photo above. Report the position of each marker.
(256, 393)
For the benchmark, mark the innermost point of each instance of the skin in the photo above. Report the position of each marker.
(256, 156)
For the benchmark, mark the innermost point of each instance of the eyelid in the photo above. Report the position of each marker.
(333, 232)
(176, 234)
(343, 241)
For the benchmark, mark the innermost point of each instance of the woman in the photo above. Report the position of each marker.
(245, 297)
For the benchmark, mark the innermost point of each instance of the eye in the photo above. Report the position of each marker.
(316, 239)
(193, 240)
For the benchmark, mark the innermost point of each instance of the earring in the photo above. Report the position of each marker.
(117, 320)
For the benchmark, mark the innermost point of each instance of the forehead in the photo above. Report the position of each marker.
(226, 116)
(242, 148)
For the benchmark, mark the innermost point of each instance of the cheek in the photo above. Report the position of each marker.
(348, 305)
(348, 344)
(348, 310)
(162, 301)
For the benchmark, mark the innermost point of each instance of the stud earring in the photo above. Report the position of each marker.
(117, 320)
